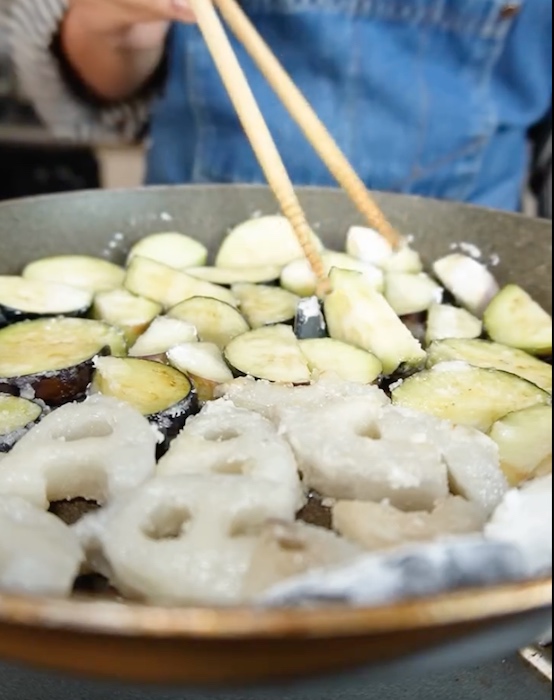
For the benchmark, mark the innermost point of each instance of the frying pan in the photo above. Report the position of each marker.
(240, 646)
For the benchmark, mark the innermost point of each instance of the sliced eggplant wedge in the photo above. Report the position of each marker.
(358, 315)
(524, 439)
(488, 355)
(266, 240)
(227, 276)
(53, 357)
(81, 271)
(204, 364)
(470, 282)
(466, 395)
(126, 311)
(515, 319)
(411, 294)
(161, 393)
(445, 321)
(265, 306)
(172, 249)
(347, 362)
(163, 334)
(27, 300)
(271, 353)
(16, 417)
(169, 287)
(309, 321)
(215, 321)
(299, 278)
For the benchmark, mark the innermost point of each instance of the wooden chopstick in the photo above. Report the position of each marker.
(257, 132)
(302, 112)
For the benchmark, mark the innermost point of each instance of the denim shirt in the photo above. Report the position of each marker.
(429, 97)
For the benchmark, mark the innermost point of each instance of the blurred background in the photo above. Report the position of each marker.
(32, 162)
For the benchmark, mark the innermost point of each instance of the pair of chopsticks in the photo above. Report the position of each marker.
(258, 132)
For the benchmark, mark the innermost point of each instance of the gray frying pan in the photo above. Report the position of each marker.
(238, 647)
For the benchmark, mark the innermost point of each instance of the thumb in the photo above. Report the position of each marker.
(182, 11)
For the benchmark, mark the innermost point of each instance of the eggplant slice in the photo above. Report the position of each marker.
(347, 362)
(27, 300)
(169, 287)
(161, 393)
(515, 319)
(227, 276)
(262, 305)
(204, 364)
(271, 353)
(524, 439)
(215, 321)
(81, 271)
(466, 395)
(52, 358)
(124, 310)
(358, 315)
(16, 417)
(172, 249)
(488, 355)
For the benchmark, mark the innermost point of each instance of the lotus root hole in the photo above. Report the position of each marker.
(246, 525)
(221, 435)
(98, 428)
(370, 430)
(234, 467)
(290, 543)
(90, 484)
(167, 522)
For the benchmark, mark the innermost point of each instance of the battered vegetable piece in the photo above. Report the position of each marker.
(225, 439)
(39, 555)
(95, 450)
(287, 549)
(381, 526)
(346, 451)
(181, 540)
(523, 519)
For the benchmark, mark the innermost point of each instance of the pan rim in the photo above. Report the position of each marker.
(253, 187)
(124, 619)
(324, 621)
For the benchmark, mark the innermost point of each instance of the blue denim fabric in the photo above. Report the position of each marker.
(432, 97)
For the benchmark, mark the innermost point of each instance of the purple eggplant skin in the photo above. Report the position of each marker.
(8, 316)
(8, 440)
(54, 388)
(171, 421)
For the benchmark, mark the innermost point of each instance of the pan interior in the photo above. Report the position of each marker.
(106, 223)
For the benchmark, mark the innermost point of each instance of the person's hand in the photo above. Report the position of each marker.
(114, 45)
(134, 24)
